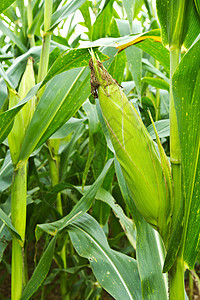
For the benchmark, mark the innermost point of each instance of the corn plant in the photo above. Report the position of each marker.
(99, 154)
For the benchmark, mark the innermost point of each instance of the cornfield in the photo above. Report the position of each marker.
(100, 149)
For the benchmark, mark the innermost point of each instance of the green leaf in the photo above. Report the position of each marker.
(91, 112)
(102, 23)
(64, 12)
(78, 210)
(134, 59)
(129, 6)
(156, 82)
(71, 59)
(186, 85)
(71, 125)
(117, 67)
(13, 37)
(126, 223)
(193, 20)
(40, 271)
(179, 20)
(149, 249)
(162, 128)
(132, 8)
(149, 42)
(4, 4)
(5, 77)
(86, 15)
(6, 220)
(197, 3)
(6, 173)
(59, 102)
(149, 67)
(117, 273)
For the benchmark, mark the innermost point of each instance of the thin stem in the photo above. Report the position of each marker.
(54, 165)
(30, 21)
(44, 58)
(176, 281)
(157, 98)
(176, 274)
(175, 151)
(18, 212)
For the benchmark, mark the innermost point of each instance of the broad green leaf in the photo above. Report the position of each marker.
(102, 23)
(71, 59)
(4, 4)
(150, 68)
(162, 128)
(117, 273)
(197, 3)
(6, 173)
(193, 20)
(5, 77)
(149, 42)
(132, 8)
(156, 82)
(149, 249)
(129, 6)
(59, 102)
(186, 85)
(91, 112)
(86, 15)
(126, 223)
(13, 37)
(134, 59)
(9, 225)
(6, 56)
(40, 271)
(78, 210)
(70, 126)
(64, 12)
(179, 21)
(37, 22)
(117, 67)
(5, 238)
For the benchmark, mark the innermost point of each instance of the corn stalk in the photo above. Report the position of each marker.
(19, 184)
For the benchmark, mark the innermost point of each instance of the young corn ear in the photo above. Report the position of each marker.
(135, 151)
(22, 119)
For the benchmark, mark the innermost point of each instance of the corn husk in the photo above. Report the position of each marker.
(22, 119)
(145, 175)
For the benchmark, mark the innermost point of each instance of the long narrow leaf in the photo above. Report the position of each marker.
(186, 85)
(8, 224)
(4, 4)
(12, 36)
(40, 272)
(116, 272)
(64, 12)
(79, 209)
(60, 101)
(149, 249)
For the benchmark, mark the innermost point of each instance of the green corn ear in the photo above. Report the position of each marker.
(27, 82)
(16, 136)
(135, 150)
(22, 119)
